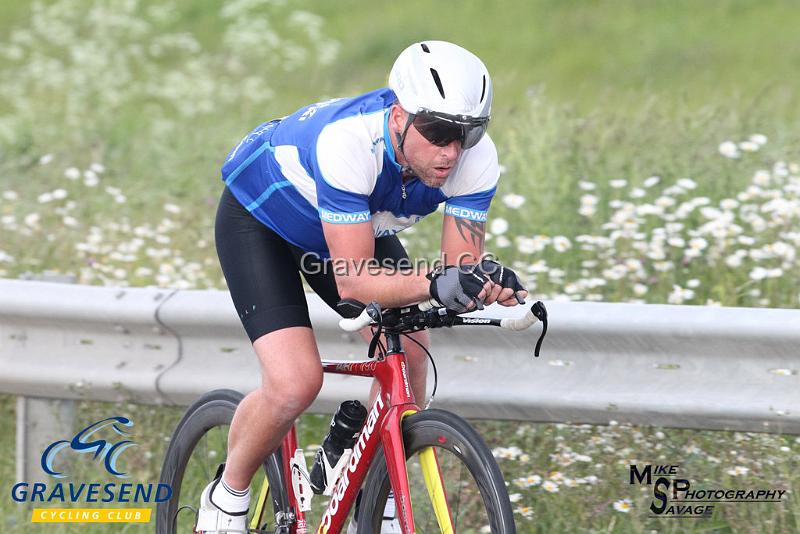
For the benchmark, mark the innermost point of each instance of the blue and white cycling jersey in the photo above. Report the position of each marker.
(333, 161)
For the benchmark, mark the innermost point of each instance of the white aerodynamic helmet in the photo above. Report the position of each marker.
(441, 76)
(445, 89)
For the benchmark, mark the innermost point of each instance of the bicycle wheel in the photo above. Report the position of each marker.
(198, 445)
(474, 490)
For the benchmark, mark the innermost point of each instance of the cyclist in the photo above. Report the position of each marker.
(324, 189)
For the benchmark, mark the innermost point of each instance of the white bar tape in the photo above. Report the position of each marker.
(520, 323)
(357, 323)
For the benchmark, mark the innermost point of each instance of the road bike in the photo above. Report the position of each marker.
(441, 472)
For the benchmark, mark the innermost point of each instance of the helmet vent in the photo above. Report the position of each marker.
(425, 48)
(438, 82)
(483, 91)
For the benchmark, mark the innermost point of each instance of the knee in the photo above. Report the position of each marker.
(417, 357)
(291, 396)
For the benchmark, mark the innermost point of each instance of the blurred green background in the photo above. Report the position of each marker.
(650, 153)
(110, 110)
(592, 55)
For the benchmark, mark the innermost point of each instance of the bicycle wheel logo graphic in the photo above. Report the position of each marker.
(83, 443)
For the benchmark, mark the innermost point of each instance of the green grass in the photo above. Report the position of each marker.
(563, 478)
(585, 93)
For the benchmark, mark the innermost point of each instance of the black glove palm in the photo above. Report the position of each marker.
(502, 276)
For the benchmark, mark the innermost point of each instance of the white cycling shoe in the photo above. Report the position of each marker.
(212, 520)
(390, 523)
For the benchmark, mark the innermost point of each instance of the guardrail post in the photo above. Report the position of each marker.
(41, 421)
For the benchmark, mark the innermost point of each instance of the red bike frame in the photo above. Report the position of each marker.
(383, 425)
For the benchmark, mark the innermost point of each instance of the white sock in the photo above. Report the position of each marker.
(390, 511)
(230, 500)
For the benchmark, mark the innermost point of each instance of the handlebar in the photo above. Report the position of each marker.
(429, 314)
(357, 323)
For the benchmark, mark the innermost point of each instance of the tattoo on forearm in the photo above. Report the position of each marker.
(471, 231)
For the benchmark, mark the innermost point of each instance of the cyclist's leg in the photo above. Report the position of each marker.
(417, 364)
(268, 295)
(291, 377)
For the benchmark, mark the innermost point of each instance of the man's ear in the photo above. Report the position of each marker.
(397, 119)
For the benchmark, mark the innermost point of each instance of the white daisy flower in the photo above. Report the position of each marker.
(623, 506)
(502, 241)
(749, 146)
(513, 201)
(638, 192)
(653, 180)
(729, 150)
(498, 226)
(761, 178)
(561, 243)
(759, 273)
(550, 486)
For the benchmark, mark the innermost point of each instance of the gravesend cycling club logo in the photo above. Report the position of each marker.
(102, 449)
(675, 496)
(105, 440)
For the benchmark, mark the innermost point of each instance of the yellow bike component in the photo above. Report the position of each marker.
(261, 504)
(435, 485)
(407, 413)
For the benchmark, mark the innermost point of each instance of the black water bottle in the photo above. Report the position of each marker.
(345, 425)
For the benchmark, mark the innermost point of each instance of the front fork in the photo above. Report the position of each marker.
(394, 451)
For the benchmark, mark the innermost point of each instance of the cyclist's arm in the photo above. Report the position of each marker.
(462, 243)
(351, 246)
(462, 240)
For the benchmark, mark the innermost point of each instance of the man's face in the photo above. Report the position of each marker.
(431, 163)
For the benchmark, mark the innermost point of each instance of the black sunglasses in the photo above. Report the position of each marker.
(441, 129)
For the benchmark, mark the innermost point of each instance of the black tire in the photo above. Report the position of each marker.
(482, 499)
(208, 415)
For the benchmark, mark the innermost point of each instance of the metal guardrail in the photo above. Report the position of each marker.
(679, 366)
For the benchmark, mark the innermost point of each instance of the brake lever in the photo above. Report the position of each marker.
(374, 311)
(540, 312)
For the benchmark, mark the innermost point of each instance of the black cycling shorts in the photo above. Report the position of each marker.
(263, 270)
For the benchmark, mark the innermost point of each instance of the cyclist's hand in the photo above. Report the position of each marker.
(459, 288)
(507, 289)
